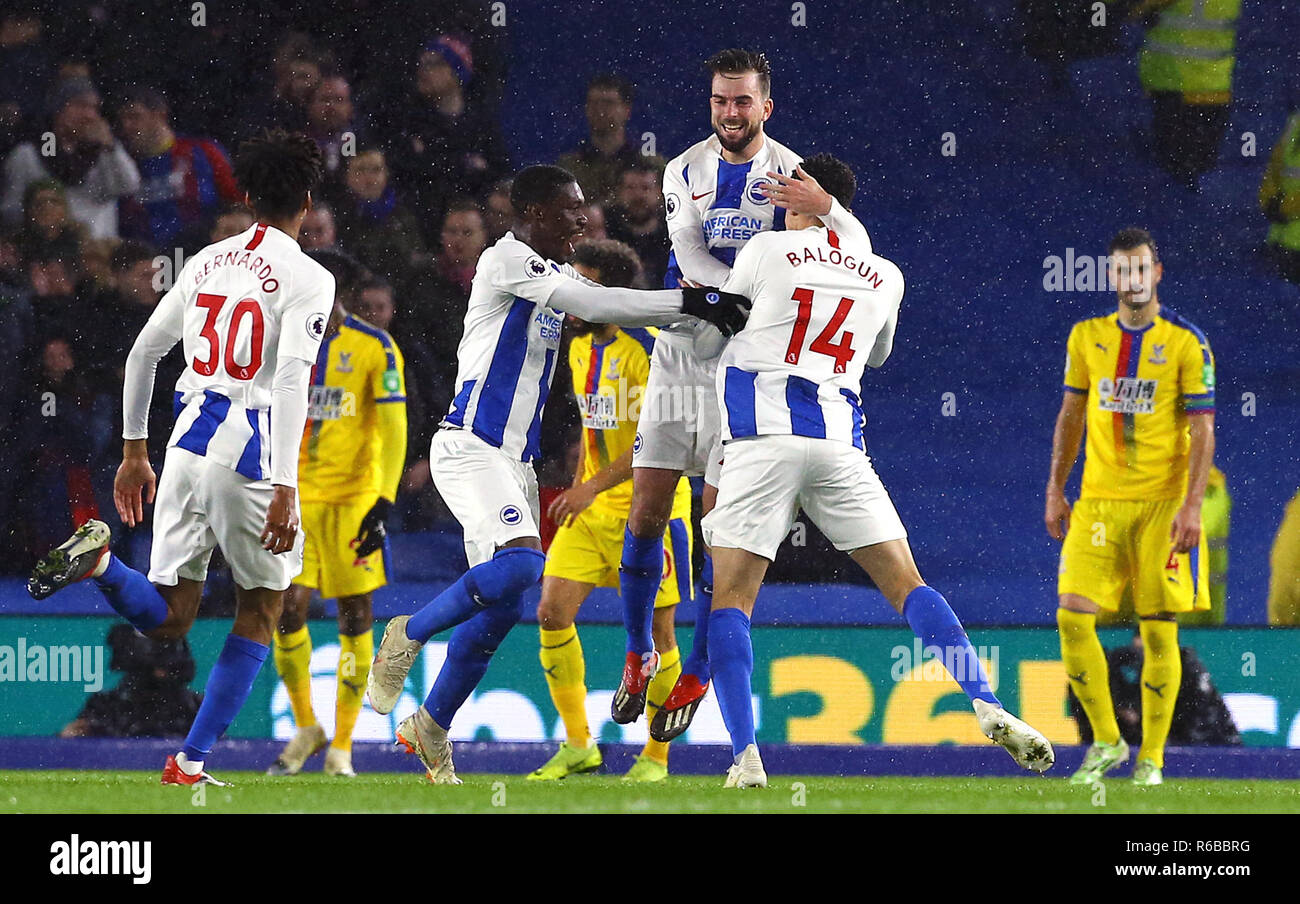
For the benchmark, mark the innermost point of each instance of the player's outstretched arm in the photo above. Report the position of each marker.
(659, 307)
(1066, 439)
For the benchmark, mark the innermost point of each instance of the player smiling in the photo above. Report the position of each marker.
(793, 427)
(718, 195)
(481, 457)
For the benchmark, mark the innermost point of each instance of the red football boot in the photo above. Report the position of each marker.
(675, 716)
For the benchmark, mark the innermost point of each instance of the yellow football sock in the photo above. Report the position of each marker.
(355, 656)
(1162, 672)
(661, 685)
(566, 676)
(293, 662)
(1085, 666)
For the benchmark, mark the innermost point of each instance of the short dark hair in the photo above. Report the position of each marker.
(376, 282)
(834, 175)
(145, 96)
(1133, 237)
(463, 204)
(607, 81)
(278, 169)
(130, 252)
(537, 185)
(348, 272)
(640, 164)
(617, 262)
(734, 61)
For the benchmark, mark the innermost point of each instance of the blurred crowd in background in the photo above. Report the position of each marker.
(117, 165)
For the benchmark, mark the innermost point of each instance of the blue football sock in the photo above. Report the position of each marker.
(697, 663)
(468, 653)
(132, 596)
(731, 655)
(639, 575)
(229, 684)
(505, 576)
(936, 624)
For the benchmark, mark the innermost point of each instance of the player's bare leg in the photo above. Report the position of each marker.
(737, 576)
(565, 670)
(293, 663)
(893, 570)
(183, 601)
(1086, 668)
(639, 576)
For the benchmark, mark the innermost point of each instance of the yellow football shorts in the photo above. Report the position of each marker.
(328, 559)
(1114, 543)
(589, 551)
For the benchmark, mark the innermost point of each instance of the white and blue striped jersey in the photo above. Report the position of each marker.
(824, 306)
(714, 207)
(507, 352)
(721, 201)
(238, 306)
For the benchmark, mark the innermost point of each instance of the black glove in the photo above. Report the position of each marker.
(372, 533)
(726, 311)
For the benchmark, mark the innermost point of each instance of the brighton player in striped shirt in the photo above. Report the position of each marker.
(718, 194)
(481, 457)
(251, 311)
(824, 307)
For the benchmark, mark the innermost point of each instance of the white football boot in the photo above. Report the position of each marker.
(393, 661)
(1025, 743)
(747, 770)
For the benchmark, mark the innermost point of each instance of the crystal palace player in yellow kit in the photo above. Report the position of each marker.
(353, 449)
(1142, 380)
(610, 366)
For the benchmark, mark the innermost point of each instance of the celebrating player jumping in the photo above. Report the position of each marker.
(251, 311)
(824, 307)
(717, 195)
(481, 457)
(610, 366)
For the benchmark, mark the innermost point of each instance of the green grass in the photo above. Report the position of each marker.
(139, 792)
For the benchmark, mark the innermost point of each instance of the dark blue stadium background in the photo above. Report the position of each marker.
(1036, 171)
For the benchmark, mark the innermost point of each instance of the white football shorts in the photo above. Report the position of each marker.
(202, 505)
(766, 480)
(493, 496)
(679, 427)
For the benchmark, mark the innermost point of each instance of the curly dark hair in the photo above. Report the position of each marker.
(1132, 238)
(617, 263)
(277, 169)
(833, 175)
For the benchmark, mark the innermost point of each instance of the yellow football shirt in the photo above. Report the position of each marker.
(1141, 385)
(357, 369)
(609, 382)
